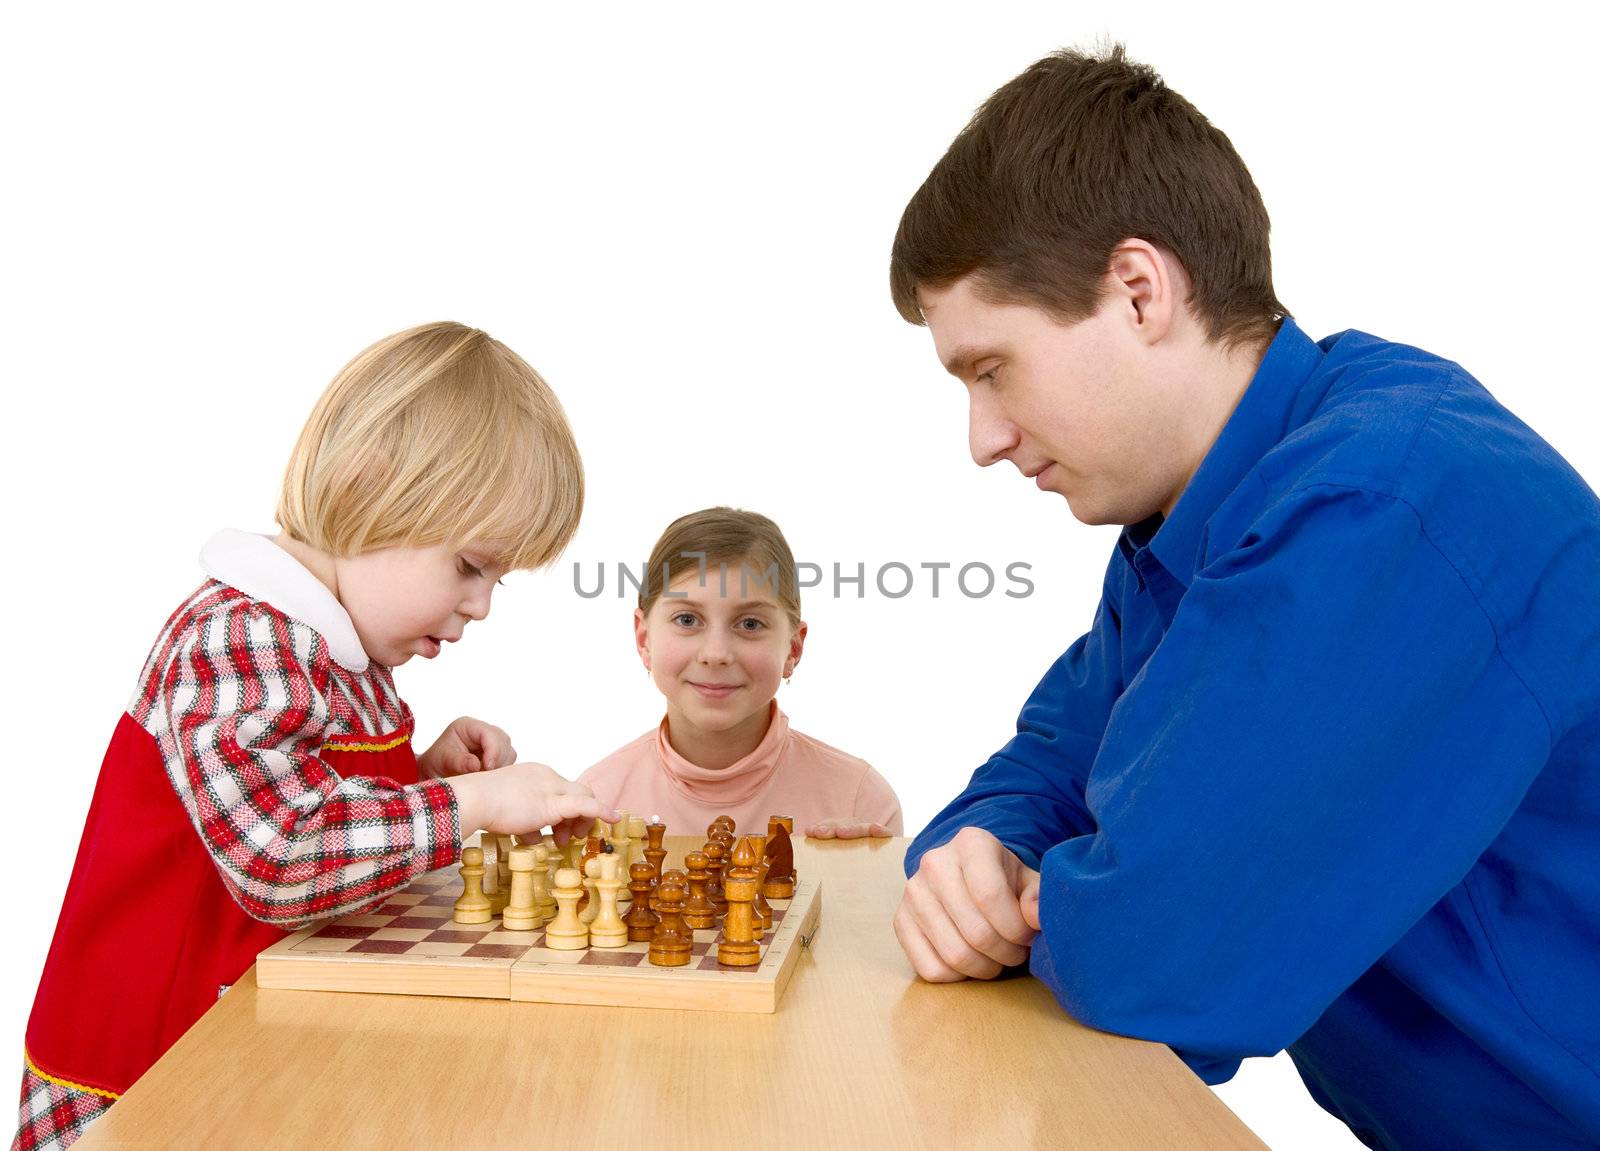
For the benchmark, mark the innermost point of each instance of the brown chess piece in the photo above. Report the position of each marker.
(780, 882)
(716, 859)
(641, 920)
(672, 943)
(738, 947)
(698, 913)
(654, 851)
(761, 909)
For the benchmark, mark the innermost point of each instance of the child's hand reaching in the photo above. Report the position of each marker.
(524, 798)
(467, 745)
(847, 827)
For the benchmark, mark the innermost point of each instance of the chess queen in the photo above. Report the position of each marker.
(263, 775)
(718, 628)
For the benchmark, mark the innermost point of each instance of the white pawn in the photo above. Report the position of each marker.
(474, 905)
(543, 902)
(591, 873)
(608, 929)
(567, 933)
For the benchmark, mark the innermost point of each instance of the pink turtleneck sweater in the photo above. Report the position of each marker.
(787, 774)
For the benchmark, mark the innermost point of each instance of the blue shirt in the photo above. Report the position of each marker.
(1325, 774)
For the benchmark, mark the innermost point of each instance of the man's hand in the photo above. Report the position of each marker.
(467, 745)
(971, 910)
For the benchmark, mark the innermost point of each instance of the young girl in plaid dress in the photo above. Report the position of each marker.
(263, 774)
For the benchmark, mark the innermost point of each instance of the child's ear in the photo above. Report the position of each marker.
(797, 643)
(641, 637)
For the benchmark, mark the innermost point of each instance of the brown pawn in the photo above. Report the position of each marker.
(738, 947)
(727, 839)
(641, 920)
(698, 912)
(716, 859)
(761, 909)
(654, 851)
(780, 879)
(671, 944)
(725, 821)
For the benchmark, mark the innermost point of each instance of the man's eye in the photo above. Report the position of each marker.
(987, 377)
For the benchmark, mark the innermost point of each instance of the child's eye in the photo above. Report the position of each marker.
(755, 624)
(468, 569)
(684, 619)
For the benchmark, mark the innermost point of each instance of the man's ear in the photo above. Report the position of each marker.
(1146, 281)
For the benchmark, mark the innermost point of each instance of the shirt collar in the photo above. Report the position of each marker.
(737, 783)
(1270, 407)
(263, 571)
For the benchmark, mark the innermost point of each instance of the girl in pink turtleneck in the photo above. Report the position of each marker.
(717, 642)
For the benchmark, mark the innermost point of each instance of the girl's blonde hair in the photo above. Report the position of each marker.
(748, 543)
(437, 434)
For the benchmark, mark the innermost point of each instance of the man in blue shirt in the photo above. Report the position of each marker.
(1324, 774)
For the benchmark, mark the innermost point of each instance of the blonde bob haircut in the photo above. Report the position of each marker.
(436, 435)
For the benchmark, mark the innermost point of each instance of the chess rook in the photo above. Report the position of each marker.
(521, 913)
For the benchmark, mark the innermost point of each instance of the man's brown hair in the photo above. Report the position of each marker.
(1063, 163)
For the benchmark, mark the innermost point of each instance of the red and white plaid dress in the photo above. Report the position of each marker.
(263, 776)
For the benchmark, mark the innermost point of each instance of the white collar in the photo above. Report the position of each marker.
(264, 571)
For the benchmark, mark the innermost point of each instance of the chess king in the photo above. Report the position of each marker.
(263, 775)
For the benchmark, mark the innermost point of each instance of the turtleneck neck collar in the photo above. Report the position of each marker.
(739, 781)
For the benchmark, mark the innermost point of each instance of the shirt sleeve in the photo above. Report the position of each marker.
(1030, 794)
(291, 839)
(1325, 741)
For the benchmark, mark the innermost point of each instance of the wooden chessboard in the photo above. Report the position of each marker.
(411, 945)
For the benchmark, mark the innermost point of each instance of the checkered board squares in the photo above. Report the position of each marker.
(411, 945)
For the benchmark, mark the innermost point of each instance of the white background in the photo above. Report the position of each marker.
(682, 218)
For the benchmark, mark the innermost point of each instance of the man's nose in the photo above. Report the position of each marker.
(989, 434)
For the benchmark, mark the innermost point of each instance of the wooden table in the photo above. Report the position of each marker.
(860, 1053)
